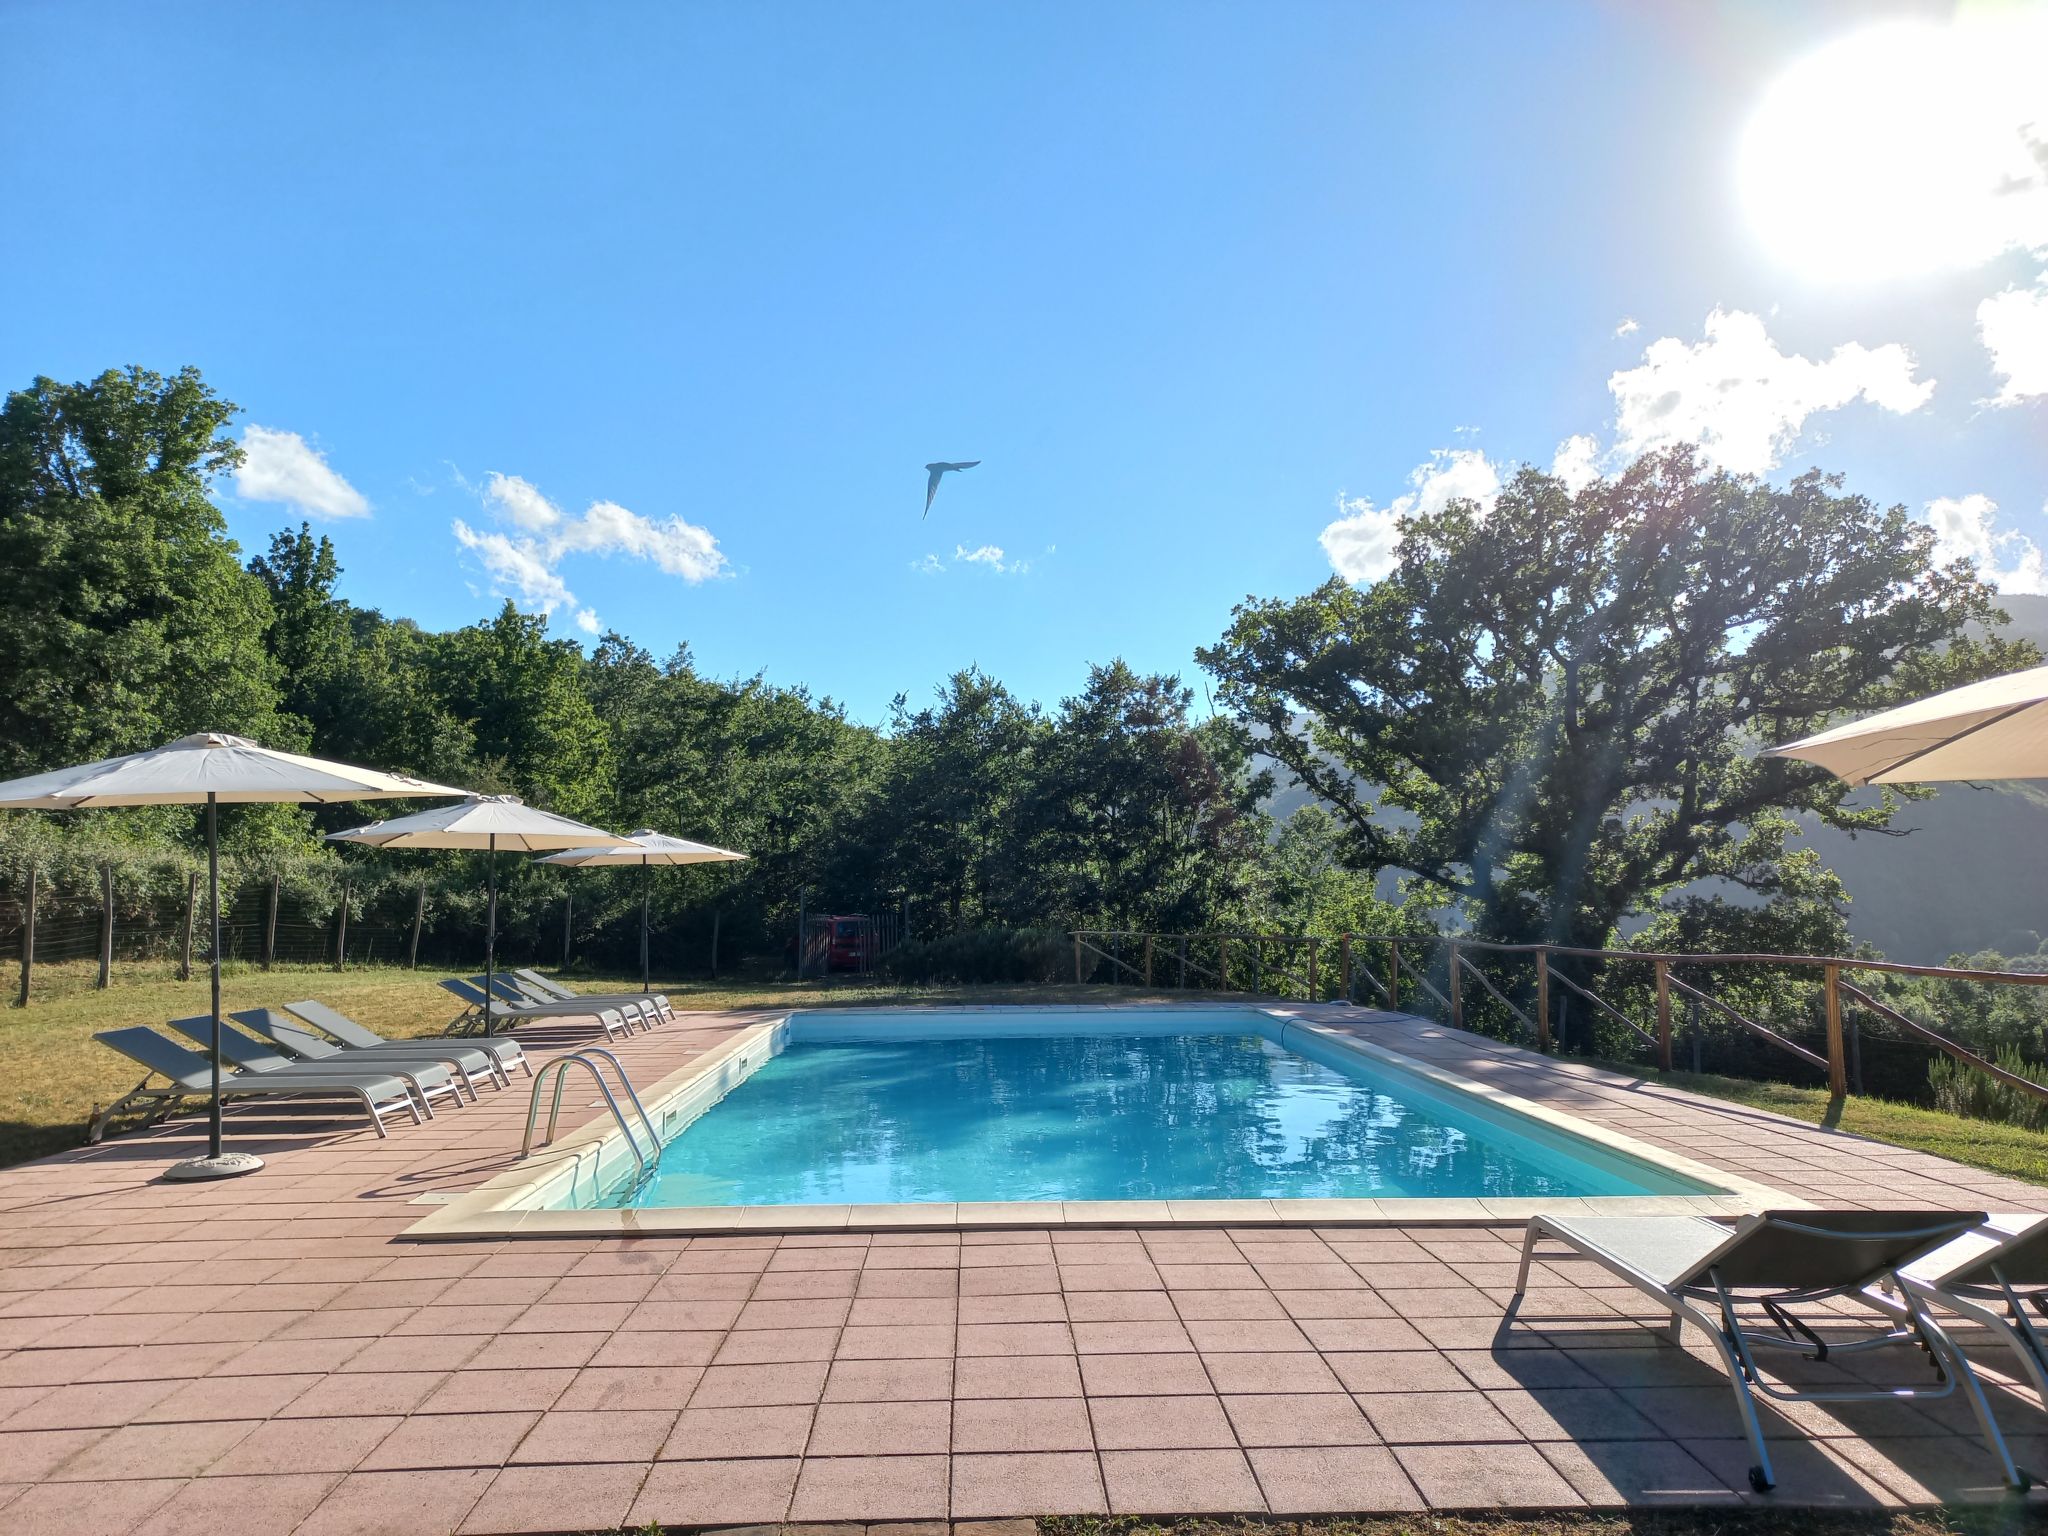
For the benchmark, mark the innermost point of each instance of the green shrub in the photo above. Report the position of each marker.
(1963, 1090)
(1017, 955)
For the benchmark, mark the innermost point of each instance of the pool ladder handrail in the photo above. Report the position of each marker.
(559, 1065)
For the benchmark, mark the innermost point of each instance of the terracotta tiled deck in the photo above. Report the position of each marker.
(268, 1355)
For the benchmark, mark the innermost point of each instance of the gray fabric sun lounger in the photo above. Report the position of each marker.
(1711, 1276)
(466, 1065)
(428, 1080)
(509, 1014)
(508, 1053)
(635, 1009)
(1997, 1278)
(189, 1075)
(547, 989)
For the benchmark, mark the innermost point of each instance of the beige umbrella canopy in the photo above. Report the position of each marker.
(646, 848)
(488, 822)
(212, 769)
(1996, 729)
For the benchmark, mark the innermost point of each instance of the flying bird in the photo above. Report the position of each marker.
(931, 486)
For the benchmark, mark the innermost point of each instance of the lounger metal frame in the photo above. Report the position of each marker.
(163, 1102)
(1713, 1308)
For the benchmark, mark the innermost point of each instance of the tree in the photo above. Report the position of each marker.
(945, 810)
(126, 618)
(1550, 710)
(523, 697)
(310, 635)
(1137, 816)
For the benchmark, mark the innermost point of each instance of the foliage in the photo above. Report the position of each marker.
(1960, 1089)
(126, 618)
(978, 956)
(1548, 711)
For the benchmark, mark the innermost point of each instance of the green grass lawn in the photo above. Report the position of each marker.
(2006, 1149)
(52, 1072)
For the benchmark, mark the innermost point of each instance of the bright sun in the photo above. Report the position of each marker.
(1904, 149)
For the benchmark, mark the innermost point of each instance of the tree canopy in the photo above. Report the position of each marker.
(1549, 712)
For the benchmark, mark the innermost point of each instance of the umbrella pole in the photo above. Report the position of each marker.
(491, 934)
(213, 1138)
(644, 878)
(218, 1163)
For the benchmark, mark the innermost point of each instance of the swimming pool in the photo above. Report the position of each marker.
(933, 1107)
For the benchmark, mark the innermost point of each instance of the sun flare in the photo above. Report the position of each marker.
(1903, 149)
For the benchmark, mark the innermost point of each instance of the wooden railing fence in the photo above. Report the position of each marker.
(1298, 972)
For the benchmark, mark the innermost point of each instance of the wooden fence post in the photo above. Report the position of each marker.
(1077, 959)
(1148, 959)
(1662, 969)
(569, 917)
(1183, 948)
(28, 936)
(419, 913)
(1393, 973)
(1543, 1000)
(1457, 990)
(270, 923)
(1838, 1062)
(341, 932)
(1258, 963)
(1223, 962)
(1344, 963)
(106, 925)
(717, 916)
(185, 932)
(1315, 994)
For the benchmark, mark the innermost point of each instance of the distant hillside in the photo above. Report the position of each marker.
(1971, 873)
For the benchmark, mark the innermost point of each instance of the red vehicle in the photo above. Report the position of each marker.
(846, 944)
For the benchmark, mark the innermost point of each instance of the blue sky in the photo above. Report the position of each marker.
(1180, 276)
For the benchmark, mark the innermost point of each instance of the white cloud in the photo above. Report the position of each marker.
(282, 466)
(930, 565)
(1577, 461)
(521, 501)
(1963, 531)
(525, 563)
(1628, 327)
(1362, 543)
(1744, 401)
(517, 568)
(990, 555)
(2014, 327)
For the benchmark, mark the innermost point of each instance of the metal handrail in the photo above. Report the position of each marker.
(560, 1067)
(625, 1082)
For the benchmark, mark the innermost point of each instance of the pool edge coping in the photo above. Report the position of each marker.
(493, 1208)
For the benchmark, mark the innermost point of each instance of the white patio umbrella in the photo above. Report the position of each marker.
(1996, 729)
(489, 822)
(214, 769)
(647, 848)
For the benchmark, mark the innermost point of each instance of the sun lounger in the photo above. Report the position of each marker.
(428, 1080)
(466, 1065)
(1995, 1277)
(547, 989)
(507, 1053)
(635, 1009)
(509, 1014)
(189, 1075)
(1711, 1276)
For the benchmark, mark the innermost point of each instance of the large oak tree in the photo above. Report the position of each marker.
(1549, 711)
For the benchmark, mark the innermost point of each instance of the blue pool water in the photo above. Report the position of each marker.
(1197, 1105)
